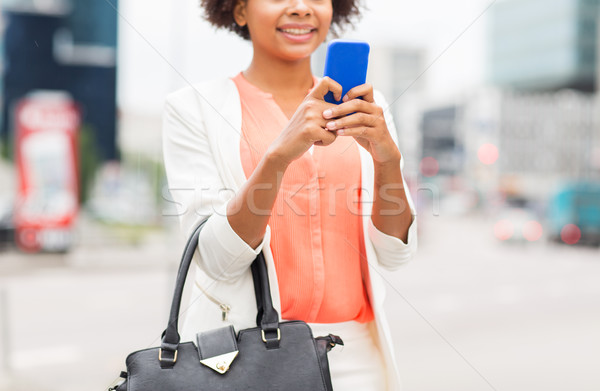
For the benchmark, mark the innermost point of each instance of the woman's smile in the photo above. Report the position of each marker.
(297, 32)
(288, 30)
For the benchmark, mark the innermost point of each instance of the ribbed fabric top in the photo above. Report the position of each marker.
(316, 224)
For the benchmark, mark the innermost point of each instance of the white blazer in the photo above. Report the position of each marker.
(201, 145)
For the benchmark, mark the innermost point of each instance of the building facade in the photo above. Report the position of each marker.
(66, 46)
(544, 45)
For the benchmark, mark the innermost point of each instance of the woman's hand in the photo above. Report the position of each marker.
(307, 126)
(365, 123)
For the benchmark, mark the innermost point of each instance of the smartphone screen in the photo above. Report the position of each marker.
(346, 63)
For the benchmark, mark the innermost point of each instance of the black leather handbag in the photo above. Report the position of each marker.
(272, 356)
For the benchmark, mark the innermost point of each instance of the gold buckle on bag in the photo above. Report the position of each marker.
(262, 333)
(160, 356)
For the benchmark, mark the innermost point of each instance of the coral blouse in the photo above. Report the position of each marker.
(316, 224)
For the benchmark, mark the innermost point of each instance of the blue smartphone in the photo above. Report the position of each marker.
(346, 62)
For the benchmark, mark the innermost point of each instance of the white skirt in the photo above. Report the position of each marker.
(358, 364)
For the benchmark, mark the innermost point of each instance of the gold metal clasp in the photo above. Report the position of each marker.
(160, 355)
(262, 333)
(220, 363)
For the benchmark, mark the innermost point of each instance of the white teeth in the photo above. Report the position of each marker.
(296, 31)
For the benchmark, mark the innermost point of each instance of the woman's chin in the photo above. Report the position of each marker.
(297, 54)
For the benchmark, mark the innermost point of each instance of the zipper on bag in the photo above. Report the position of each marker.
(225, 308)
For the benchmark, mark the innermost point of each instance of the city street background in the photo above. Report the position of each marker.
(497, 112)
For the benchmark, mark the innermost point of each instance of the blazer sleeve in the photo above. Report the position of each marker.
(198, 191)
(391, 251)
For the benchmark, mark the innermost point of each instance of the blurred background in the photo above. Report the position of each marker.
(498, 115)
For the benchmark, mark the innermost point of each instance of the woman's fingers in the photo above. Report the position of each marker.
(364, 90)
(353, 106)
(327, 137)
(360, 131)
(354, 120)
(325, 85)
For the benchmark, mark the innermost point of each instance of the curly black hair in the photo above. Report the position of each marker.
(220, 14)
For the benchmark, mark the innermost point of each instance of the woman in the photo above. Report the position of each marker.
(317, 187)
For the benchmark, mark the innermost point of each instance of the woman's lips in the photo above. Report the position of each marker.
(297, 34)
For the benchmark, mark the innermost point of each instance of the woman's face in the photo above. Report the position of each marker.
(286, 29)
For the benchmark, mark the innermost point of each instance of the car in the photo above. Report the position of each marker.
(574, 214)
(517, 221)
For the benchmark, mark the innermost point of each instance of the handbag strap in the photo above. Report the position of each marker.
(267, 317)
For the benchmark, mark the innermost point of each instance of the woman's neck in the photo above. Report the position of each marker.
(280, 78)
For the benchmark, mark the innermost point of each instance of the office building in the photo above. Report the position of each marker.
(66, 46)
(441, 139)
(544, 45)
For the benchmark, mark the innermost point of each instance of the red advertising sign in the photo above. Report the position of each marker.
(46, 160)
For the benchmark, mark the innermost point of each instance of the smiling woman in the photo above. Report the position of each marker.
(220, 14)
(267, 137)
(279, 30)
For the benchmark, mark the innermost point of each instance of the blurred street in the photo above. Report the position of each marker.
(524, 316)
(469, 313)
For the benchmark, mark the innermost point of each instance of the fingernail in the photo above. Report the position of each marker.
(327, 113)
(345, 98)
(331, 125)
(341, 131)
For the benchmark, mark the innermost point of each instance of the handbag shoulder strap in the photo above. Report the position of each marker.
(267, 318)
